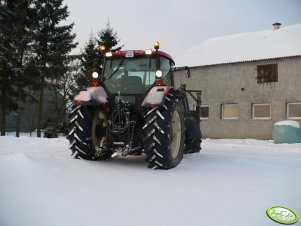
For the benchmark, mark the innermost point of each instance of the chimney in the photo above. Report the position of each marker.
(276, 25)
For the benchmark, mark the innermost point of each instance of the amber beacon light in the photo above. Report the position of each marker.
(156, 45)
(102, 48)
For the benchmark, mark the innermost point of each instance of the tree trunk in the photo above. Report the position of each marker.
(55, 129)
(3, 111)
(40, 111)
(18, 112)
(60, 106)
(3, 121)
(19, 98)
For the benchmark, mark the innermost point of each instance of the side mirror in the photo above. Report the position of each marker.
(187, 72)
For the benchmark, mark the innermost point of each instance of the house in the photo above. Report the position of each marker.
(29, 111)
(249, 81)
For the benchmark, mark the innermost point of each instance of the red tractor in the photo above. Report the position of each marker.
(134, 108)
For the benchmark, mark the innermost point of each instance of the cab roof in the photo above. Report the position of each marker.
(142, 53)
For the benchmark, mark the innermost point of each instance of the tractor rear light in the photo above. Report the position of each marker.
(159, 82)
(94, 83)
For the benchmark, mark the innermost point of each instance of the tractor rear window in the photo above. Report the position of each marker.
(130, 75)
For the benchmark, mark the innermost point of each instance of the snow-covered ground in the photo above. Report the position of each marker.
(231, 182)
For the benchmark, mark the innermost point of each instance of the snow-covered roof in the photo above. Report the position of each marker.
(251, 46)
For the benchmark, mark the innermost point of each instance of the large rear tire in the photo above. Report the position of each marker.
(80, 132)
(164, 131)
(87, 132)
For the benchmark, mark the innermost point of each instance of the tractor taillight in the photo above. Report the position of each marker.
(94, 83)
(159, 82)
(95, 80)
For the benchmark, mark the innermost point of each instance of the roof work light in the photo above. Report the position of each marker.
(109, 54)
(148, 52)
(159, 73)
(95, 75)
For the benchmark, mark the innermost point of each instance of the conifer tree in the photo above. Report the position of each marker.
(52, 43)
(15, 38)
(89, 63)
(6, 64)
(92, 58)
(109, 38)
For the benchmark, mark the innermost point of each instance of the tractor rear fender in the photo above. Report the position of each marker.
(92, 94)
(156, 95)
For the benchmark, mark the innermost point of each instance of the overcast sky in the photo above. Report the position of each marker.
(177, 25)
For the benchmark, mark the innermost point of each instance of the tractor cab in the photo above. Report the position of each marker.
(135, 72)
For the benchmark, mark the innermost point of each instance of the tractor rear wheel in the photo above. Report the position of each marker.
(80, 132)
(87, 131)
(164, 131)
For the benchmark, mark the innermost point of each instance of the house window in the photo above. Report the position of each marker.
(293, 110)
(261, 111)
(267, 73)
(204, 111)
(230, 111)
